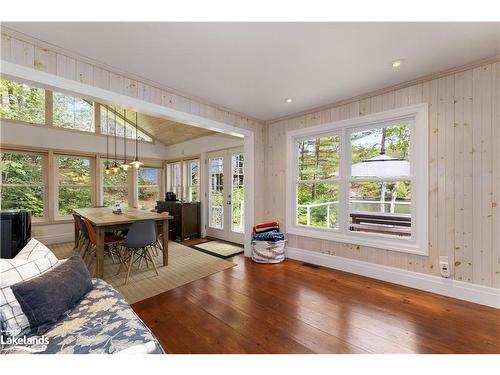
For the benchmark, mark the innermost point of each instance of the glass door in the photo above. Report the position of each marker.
(216, 192)
(226, 195)
(237, 192)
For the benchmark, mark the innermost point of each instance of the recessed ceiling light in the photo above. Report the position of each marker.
(397, 63)
(288, 100)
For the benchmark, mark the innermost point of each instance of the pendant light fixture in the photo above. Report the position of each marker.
(125, 166)
(115, 167)
(136, 163)
(107, 170)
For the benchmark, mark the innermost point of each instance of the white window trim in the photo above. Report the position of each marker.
(418, 243)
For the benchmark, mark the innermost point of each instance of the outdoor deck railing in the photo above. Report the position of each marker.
(392, 207)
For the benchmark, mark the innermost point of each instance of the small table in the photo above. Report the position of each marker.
(104, 220)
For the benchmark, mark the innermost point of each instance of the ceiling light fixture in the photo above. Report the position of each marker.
(397, 63)
(136, 163)
(289, 100)
(115, 167)
(125, 166)
(107, 170)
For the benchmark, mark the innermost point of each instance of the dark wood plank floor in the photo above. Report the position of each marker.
(298, 308)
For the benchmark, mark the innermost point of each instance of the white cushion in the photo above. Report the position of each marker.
(34, 249)
(34, 260)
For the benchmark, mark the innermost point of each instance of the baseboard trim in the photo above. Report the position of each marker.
(480, 294)
(55, 238)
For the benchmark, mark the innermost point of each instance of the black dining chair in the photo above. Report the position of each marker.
(138, 244)
(83, 243)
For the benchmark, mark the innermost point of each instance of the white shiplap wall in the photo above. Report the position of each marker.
(464, 178)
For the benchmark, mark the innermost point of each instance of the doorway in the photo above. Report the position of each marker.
(226, 195)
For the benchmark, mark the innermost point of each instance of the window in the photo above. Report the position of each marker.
(175, 178)
(318, 181)
(73, 113)
(129, 128)
(216, 192)
(380, 184)
(22, 102)
(193, 167)
(238, 194)
(23, 182)
(115, 187)
(73, 183)
(362, 181)
(149, 186)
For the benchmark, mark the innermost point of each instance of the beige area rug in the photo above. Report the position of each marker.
(185, 265)
(219, 249)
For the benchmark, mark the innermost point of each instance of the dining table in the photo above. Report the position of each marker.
(105, 220)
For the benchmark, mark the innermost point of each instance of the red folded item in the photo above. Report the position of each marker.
(266, 227)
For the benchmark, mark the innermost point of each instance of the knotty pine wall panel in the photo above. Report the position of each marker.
(464, 173)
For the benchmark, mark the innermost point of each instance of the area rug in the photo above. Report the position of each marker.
(219, 249)
(185, 265)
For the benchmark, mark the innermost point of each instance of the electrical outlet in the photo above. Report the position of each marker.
(444, 266)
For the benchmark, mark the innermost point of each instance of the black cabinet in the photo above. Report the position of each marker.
(187, 218)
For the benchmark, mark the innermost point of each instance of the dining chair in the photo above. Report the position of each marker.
(138, 245)
(111, 243)
(83, 243)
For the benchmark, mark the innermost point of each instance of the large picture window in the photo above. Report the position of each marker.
(73, 113)
(362, 181)
(73, 183)
(149, 186)
(120, 122)
(22, 102)
(23, 182)
(115, 187)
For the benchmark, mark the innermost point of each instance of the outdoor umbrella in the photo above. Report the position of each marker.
(383, 166)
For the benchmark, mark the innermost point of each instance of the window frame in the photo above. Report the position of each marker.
(45, 105)
(52, 110)
(418, 123)
(190, 185)
(171, 177)
(57, 184)
(158, 184)
(44, 184)
(97, 119)
(129, 181)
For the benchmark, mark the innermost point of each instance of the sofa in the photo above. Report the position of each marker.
(101, 322)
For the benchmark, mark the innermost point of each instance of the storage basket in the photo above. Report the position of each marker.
(268, 252)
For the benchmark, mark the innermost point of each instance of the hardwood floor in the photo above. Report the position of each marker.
(298, 308)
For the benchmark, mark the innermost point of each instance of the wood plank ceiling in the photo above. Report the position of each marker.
(163, 130)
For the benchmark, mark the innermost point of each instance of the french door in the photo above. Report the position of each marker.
(226, 194)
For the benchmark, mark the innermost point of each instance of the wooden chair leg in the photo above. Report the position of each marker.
(123, 262)
(149, 254)
(110, 252)
(145, 257)
(129, 267)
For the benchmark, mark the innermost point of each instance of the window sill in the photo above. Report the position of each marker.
(374, 241)
(53, 222)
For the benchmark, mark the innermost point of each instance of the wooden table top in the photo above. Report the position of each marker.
(102, 216)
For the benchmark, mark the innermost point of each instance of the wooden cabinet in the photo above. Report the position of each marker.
(187, 218)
